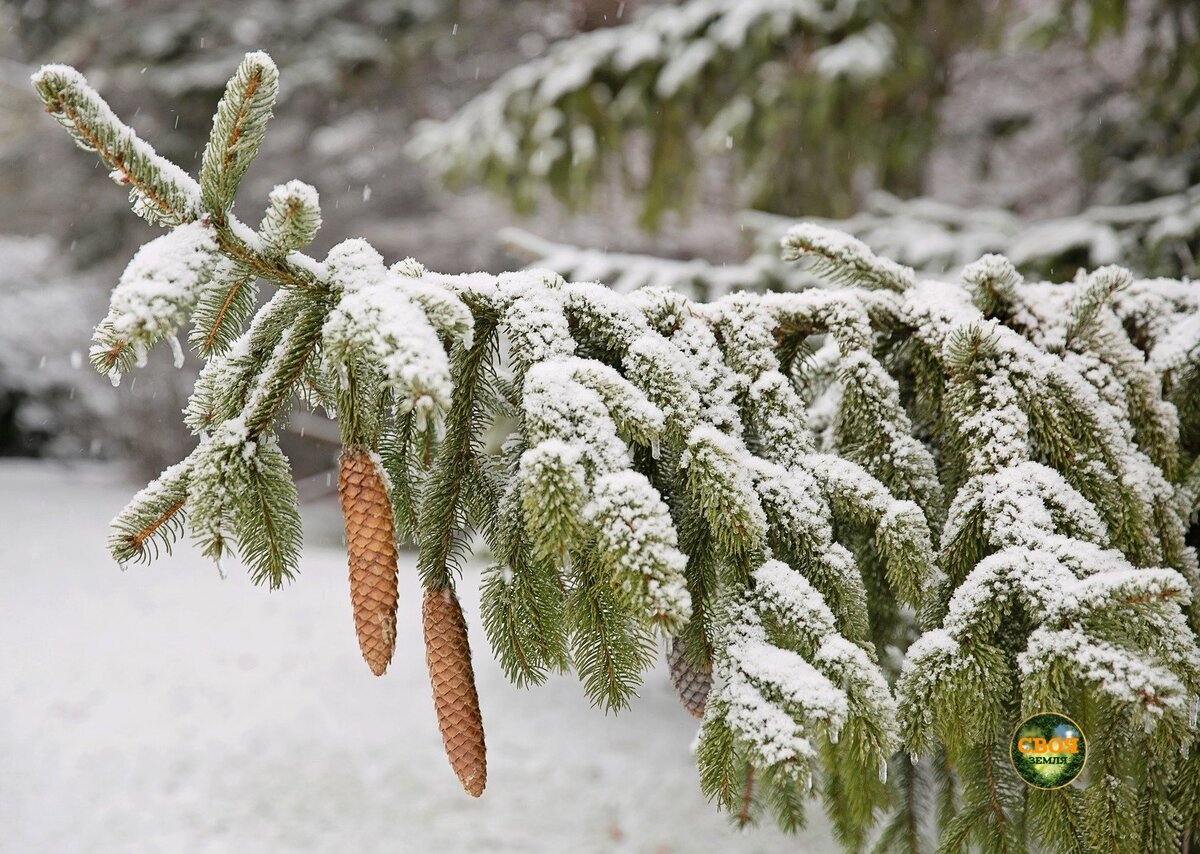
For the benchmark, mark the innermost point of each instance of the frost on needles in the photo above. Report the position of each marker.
(889, 516)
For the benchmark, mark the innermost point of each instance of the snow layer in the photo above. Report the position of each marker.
(166, 710)
(158, 291)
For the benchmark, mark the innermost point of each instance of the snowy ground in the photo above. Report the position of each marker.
(166, 710)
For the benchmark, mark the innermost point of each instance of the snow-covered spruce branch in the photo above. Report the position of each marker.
(1037, 611)
(761, 479)
(626, 271)
(728, 68)
(809, 93)
(934, 238)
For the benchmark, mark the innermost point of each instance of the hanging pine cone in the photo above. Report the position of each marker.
(371, 546)
(448, 657)
(691, 683)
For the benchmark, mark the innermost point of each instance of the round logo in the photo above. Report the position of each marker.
(1048, 750)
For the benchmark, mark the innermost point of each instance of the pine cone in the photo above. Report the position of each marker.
(448, 657)
(691, 683)
(371, 546)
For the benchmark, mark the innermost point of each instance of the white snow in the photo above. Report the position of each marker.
(789, 592)
(1126, 678)
(626, 272)
(631, 410)
(717, 384)
(558, 407)
(537, 329)
(158, 289)
(376, 319)
(162, 709)
(635, 536)
(182, 187)
(866, 54)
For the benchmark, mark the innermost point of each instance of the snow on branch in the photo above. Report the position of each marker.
(648, 466)
(560, 117)
(158, 190)
(155, 296)
(844, 259)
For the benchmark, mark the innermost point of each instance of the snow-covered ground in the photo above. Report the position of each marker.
(164, 709)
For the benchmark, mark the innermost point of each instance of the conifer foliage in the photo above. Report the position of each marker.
(878, 521)
(813, 96)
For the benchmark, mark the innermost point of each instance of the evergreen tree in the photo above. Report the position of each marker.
(807, 92)
(879, 521)
(814, 97)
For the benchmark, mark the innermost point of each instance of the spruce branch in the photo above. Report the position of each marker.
(695, 641)
(992, 282)
(223, 309)
(720, 487)
(374, 322)
(156, 294)
(1056, 816)
(282, 371)
(904, 832)
(398, 447)
(787, 680)
(844, 259)
(153, 519)
(238, 129)
(1092, 297)
(159, 190)
(523, 616)
(670, 469)
(292, 218)
(220, 475)
(266, 517)
(442, 509)
(554, 492)
(522, 596)
(636, 543)
(224, 383)
(609, 646)
(685, 83)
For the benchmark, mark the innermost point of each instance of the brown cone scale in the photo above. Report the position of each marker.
(371, 548)
(691, 683)
(448, 657)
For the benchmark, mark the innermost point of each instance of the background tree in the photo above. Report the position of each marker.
(818, 101)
